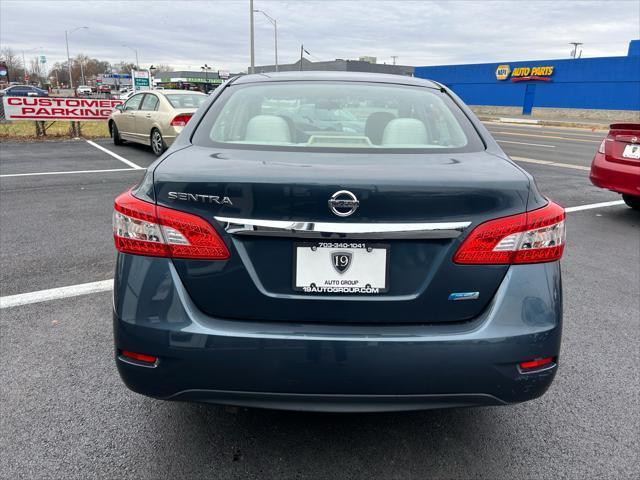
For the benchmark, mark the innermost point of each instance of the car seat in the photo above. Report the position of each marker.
(268, 129)
(405, 131)
(375, 125)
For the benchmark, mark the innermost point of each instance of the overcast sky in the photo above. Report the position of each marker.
(190, 33)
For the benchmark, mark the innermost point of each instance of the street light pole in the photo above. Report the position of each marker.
(205, 69)
(66, 38)
(136, 52)
(252, 69)
(275, 33)
(274, 22)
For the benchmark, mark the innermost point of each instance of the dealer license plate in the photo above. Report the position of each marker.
(341, 267)
(632, 151)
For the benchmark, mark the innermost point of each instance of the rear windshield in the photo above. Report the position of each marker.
(188, 100)
(337, 115)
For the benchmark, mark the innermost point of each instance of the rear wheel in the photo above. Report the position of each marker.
(633, 202)
(157, 143)
(115, 134)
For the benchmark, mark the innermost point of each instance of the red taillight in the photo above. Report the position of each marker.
(531, 237)
(533, 364)
(602, 146)
(141, 357)
(181, 120)
(142, 228)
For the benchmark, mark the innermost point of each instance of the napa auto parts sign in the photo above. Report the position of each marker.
(525, 74)
(54, 108)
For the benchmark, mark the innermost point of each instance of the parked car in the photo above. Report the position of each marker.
(125, 94)
(411, 266)
(24, 91)
(616, 165)
(153, 117)
(83, 90)
(104, 89)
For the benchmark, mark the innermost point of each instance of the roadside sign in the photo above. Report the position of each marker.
(56, 108)
(141, 80)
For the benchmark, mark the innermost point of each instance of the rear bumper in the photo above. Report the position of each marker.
(327, 367)
(618, 177)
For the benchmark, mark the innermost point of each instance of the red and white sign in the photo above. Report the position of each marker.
(55, 108)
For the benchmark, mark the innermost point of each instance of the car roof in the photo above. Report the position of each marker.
(176, 91)
(335, 76)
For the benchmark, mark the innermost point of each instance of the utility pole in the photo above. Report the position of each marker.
(252, 69)
(575, 49)
(394, 57)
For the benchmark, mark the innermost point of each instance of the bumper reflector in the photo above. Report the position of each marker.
(534, 364)
(140, 357)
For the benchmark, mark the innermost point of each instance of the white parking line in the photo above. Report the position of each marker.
(69, 172)
(115, 155)
(107, 285)
(551, 164)
(531, 144)
(579, 208)
(55, 293)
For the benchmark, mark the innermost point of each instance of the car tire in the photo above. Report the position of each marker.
(632, 201)
(115, 134)
(157, 142)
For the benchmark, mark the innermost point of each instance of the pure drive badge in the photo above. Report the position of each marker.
(198, 197)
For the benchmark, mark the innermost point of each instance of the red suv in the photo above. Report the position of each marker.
(616, 165)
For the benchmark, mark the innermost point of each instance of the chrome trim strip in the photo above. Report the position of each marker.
(287, 228)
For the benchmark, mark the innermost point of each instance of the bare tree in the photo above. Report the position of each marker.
(36, 75)
(124, 67)
(163, 67)
(14, 64)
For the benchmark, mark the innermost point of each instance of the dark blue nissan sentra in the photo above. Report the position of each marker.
(337, 242)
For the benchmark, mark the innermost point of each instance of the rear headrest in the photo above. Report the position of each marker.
(268, 129)
(405, 131)
(375, 125)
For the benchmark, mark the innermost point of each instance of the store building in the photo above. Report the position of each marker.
(365, 64)
(602, 87)
(190, 80)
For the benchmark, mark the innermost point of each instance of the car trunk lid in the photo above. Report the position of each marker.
(623, 143)
(454, 190)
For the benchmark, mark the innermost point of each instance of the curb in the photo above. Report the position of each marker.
(548, 123)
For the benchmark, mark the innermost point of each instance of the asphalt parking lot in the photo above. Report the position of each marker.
(65, 412)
